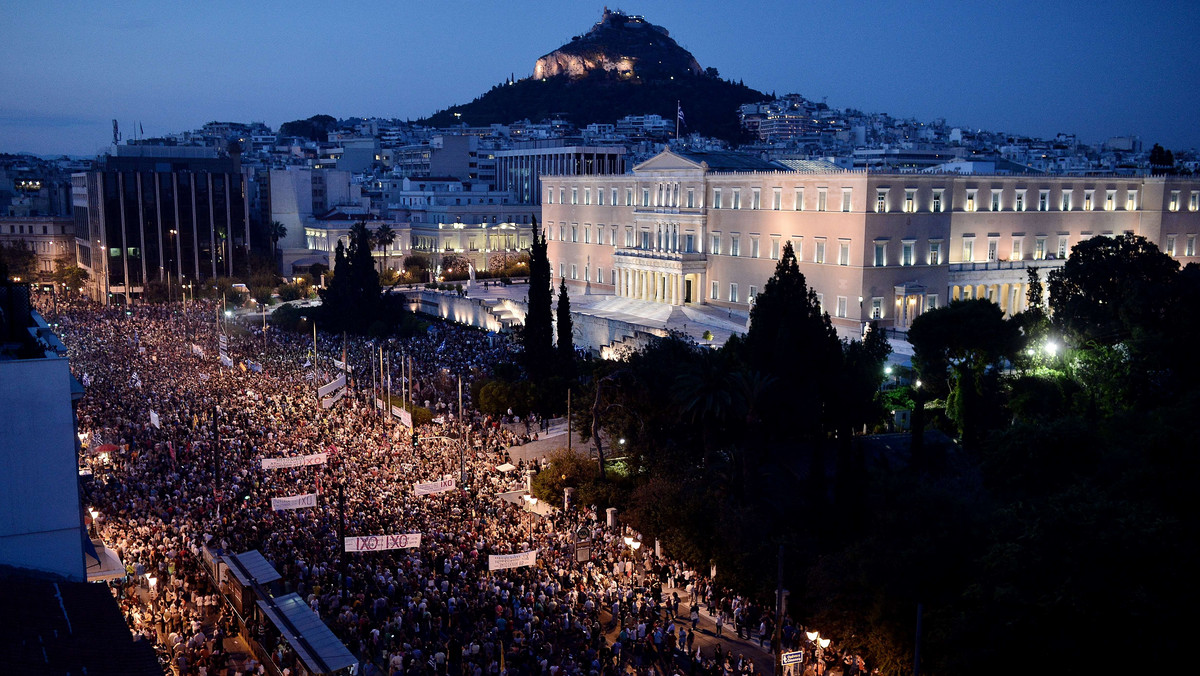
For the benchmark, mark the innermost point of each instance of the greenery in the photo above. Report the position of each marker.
(315, 128)
(351, 301)
(538, 346)
(20, 260)
(563, 326)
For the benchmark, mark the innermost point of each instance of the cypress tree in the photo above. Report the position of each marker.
(538, 335)
(566, 343)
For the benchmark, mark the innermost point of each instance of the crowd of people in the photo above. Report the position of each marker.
(191, 479)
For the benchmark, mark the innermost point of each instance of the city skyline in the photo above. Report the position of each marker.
(1102, 72)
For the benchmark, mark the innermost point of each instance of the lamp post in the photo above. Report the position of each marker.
(819, 645)
(530, 502)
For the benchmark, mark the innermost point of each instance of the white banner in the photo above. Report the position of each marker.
(328, 403)
(294, 502)
(154, 420)
(226, 361)
(336, 383)
(223, 341)
(298, 461)
(434, 487)
(342, 365)
(254, 366)
(404, 416)
(379, 543)
(503, 561)
(197, 350)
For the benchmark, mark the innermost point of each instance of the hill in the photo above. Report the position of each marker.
(622, 66)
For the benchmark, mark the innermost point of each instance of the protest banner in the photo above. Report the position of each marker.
(297, 461)
(379, 543)
(294, 502)
(434, 487)
(504, 561)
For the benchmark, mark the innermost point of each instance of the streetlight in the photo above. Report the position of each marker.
(820, 644)
(530, 502)
(1051, 348)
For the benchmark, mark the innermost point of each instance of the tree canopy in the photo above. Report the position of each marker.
(537, 336)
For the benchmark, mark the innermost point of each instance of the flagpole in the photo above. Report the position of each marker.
(677, 109)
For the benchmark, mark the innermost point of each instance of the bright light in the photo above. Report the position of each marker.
(621, 441)
(637, 544)
(94, 514)
(812, 635)
(229, 313)
(887, 370)
(917, 384)
(1051, 348)
(824, 643)
(153, 581)
(628, 540)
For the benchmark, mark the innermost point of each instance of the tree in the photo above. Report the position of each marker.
(384, 237)
(20, 259)
(276, 231)
(351, 301)
(566, 343)
(71, 277)
(1161, 158)
(959, 349)
(538, 349)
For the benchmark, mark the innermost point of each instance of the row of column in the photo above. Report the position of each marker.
(660, 287)
(1009, 296)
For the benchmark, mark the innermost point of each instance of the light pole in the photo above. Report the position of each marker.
(819, 645)
(530, 502)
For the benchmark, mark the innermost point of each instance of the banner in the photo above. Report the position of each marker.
(298, 461)
(294, 502)
(336, 383)
(434, 487)
(255, 366)
(328, 403)
(342, 366)
(197, 350)
(379, 543)
(504, 561)
(154, 420)
(226, 361)
(404, 416)
(223, 341)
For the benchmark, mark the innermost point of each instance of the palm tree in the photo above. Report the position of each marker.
(276, 231)
(384, 237)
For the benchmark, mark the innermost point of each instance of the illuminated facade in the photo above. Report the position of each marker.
(699, 228)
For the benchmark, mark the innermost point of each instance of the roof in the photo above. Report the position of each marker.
(321, 651)
(724, 160)
(812, 166)
(56, 627)
(251, 566)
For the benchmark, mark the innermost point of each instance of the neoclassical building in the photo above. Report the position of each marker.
(709, 228)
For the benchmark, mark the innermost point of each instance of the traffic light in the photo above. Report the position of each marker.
(416, 438)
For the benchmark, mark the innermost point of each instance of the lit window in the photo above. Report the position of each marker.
(1043, 200)
(995, 200)
(1016, 249)
(755, 199)
(1039, 248)
(733, 293)
(1130, 200)
(1087, 199)
(841, 306)
(1173, 205)
(970, 200)
(880, 254)
(876, 308)
(776, 199)
(819, 257)
(1110, 200)
(910, 201)
(881, 201)
(937, 201)
(1193, 201)
(968, 249)
(822, 199)
(935, 253)
(1020, 203)
(1066, 200)
(799, 204)
(846, 195)
(906, 253)
(716, 202)
(1170, 248)
(843, 253)
(931, 301)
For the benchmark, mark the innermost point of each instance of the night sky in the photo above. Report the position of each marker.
(1094, 68)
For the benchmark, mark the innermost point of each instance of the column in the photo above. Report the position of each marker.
(679, 289)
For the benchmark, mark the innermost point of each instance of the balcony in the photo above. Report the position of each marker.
(984, 266)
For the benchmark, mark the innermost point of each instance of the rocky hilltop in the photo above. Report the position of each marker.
(621, 45)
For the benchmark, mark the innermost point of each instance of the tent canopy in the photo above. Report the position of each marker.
(321, 651)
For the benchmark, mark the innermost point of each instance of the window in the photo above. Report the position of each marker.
(931, 301)
(776, 199)
(562, 270)
(1170, 248)
(1130, 200)
(774, 247)
(1173, 205)
(906, 253)
(880, 254)
(645, 239)
(628, 237)
(1043, 200)
(735, 248)
(574, 234)
(822, 199)
(1110, 200)
(587, 234)
(733, 293)
(574, 272)
(612, 236)
(562, 195)
(846, 194)
(841, 306)
(992, 246)
(628, 197)
(754, 252)
(645, 197)
(937, 201)
(1066, 200)
(1020, 203)
(881, 201)
(715, 249)
(935, 253)
(910, 201)
(752, 294)
(995, 200)
(736, 199)
(574, 195)
(599, 275)
(587, 195)
(1062, 247)
(968, 249)
(798, 248)
(843, 253)
(1191, 246)
(716, 291)
(819, 257)
(691, 198)
(716, 198)
(821, 301)
(1039, 248)
(614, 197)
(614, 277)
(561, 232)
(600, 196)
(799, 204)
(1087, 199)
(755, 198)
(549, 195)
(876, 308)
(1193, 204)
(1016, 249)
(970, 200)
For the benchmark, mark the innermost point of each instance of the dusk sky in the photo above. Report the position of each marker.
(1095, 68)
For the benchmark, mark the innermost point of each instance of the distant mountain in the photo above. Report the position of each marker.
(623, 66)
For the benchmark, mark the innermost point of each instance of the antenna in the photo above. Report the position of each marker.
(116, 134)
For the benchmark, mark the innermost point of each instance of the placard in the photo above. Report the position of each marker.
(505, 561)
(297, 461)
(434, 487)
(379, 543)
(294, 502)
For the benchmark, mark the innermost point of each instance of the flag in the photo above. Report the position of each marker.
(679, 113)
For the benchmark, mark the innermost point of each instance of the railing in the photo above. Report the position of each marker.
(1005, 265)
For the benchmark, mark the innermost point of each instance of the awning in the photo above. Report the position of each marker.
(506, 467)
(251, 565)
(321, 651)
(107, 566)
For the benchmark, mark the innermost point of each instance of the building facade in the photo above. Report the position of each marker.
(698, 228)
(161, 214)
(50, 238)
(520, 170)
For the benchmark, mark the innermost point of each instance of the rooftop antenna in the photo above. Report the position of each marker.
(116, 133)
